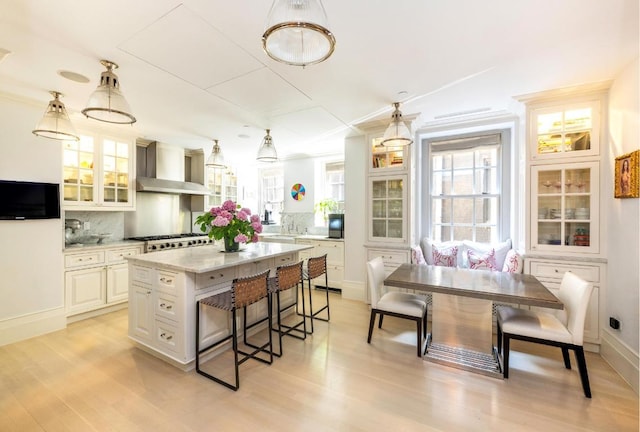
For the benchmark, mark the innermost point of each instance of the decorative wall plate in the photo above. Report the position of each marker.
(297, 192)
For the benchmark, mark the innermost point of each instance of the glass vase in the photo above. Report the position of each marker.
(230, 245)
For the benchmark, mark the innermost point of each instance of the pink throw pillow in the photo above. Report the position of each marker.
(485, 261)
(446, 257)
(513, 263)
(417, 257)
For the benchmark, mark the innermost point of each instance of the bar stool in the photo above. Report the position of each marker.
(316, 267)
(244, 292)
(288, 277)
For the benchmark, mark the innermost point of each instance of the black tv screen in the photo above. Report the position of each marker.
(29, 200)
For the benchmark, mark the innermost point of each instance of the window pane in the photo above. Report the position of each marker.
(463, 210)
(486, 210)
(441, 211)
(463, 159)
(486, 235)
(486, 157)
(462, 233)
(487, 181)
(463, 182)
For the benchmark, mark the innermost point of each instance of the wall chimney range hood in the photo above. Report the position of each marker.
(160, 168)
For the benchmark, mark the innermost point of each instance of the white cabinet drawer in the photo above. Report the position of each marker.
(167, 281)
(166, 306)
(142, 274)
(389, 256)
(84, 259)
(284, 260)
(167, 337)
(556, 271)
(204, 280)
(120, 255)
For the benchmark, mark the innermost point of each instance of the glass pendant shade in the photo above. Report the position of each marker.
(107, 103)
(397, 134)
(297, 34)
(55, 122)
(267, 151)
(215, 159)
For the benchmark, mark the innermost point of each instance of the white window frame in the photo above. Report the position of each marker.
(457, 142)
(324, 190)
(277, 206)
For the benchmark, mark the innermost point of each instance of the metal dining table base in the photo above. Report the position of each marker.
(462, 334)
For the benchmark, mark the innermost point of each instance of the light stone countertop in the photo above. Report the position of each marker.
(301, 236)
(202, 259)
(84, 247)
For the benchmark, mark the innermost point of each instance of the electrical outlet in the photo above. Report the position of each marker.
(86, 226)
(614, 323)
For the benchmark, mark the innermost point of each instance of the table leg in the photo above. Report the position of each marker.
(462, 334)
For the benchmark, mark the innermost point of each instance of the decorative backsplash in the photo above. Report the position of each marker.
(296, 223)
(101, 222)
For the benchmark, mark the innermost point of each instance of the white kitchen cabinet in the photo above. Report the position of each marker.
(565, 130)
(334, 249)
(141, 318)
(565, 208)
(97, 278)
(387, 159)
(162, 311)
(99, 173)
(388, 209)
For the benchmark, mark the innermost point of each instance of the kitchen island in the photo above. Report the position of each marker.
(165, 286)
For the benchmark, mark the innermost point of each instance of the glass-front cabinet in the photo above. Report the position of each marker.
(223, 184)
(565, 207)
(565, 130)
(384, 158)
(98, 173)
(388, 208)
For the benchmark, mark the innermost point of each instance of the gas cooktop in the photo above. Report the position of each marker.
(166, 236)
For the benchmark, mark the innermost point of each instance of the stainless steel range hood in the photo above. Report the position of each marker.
(160, 168)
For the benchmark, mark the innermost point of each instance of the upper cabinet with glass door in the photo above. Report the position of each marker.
(565, 207)
(387, 159)
(98, 173)
(388, 209)
(562, 131)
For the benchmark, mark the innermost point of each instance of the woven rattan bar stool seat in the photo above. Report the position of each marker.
(243, 293)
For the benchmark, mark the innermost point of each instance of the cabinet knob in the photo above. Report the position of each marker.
(166, 337)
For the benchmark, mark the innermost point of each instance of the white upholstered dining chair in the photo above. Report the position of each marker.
(393, 303)
(565, 331)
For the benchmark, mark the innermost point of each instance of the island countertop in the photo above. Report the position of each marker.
(202, 259)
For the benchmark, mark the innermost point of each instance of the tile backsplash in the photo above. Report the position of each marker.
(101, 222)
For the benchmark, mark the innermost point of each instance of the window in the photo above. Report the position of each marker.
(331, 187)
(272, 193)
(468, 198)
(334, 183)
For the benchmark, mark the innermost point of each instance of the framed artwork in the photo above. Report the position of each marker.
(297, 192)
(627, 184)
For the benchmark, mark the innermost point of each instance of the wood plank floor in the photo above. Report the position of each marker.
(90, 377)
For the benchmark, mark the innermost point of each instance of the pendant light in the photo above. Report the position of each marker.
(107, 103)
(267, 151)
(296, 33)
(215, 159)
(397, 134)
(55, 122)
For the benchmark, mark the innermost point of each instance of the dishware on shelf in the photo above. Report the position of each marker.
(569, 213)
(555, 213)
(543, 213)
(582, 213)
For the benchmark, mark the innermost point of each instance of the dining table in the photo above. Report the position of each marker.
(463, 306)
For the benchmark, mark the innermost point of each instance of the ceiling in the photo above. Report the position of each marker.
(194, 70)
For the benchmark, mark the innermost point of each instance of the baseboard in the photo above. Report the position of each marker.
(32, 325)
(621, 358)
(353, 290)
(96, 312)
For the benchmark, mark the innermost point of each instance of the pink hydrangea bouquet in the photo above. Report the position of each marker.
(232, 223)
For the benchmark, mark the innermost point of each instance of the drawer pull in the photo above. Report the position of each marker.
(166, 306)
(213, 277)
(166, 337)
(166, 280)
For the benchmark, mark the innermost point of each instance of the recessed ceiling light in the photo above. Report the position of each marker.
(73, 76)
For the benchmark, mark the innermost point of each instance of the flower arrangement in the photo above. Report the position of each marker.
(232, 223)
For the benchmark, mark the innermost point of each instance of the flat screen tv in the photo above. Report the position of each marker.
(29, 200)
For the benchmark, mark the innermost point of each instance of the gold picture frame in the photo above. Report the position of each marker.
(627, 169)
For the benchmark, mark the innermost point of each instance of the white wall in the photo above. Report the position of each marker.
(299, 171)
(623, 224)
(31, 261)
(355, 165)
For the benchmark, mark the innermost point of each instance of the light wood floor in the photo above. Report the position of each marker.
(90, 377)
